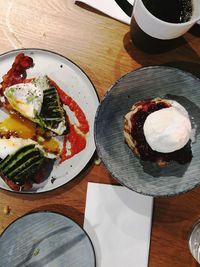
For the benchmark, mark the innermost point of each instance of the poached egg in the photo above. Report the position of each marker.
(168, 129)
(39, 102)
(11, 145)
(26, 98)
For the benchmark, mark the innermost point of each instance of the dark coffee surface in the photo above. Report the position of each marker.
(174, 11)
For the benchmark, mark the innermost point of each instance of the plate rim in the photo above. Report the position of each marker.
(55, 213)
(95, 128)
(98, 98)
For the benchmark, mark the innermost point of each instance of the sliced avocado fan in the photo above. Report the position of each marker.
(23, 164)
(52, 114)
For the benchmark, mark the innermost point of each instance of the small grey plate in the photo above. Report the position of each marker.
(146, 177)
(45, 239)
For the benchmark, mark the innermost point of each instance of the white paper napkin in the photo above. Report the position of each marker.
(118, 222)
(109, 7)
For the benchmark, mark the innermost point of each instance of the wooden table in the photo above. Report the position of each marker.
(101, 47)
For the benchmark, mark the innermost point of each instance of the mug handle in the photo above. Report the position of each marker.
(125, 6)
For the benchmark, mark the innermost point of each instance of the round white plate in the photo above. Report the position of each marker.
(76, 84)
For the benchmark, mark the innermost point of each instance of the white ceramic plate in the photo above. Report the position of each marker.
(76, 84)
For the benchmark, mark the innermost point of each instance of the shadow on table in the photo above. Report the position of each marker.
(66, 210)
(89, 8)
(195, 30)
(180, 52)
(180, 208)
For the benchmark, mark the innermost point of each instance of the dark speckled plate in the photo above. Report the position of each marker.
(45, 239)
(145, 177)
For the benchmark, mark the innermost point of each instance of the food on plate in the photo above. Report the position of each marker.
(43, 124)
(159, 130)
(20, 161)
(38, 101)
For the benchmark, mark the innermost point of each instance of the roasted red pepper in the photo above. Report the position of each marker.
(17, 73)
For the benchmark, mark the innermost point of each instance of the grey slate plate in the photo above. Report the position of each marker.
(45, 239)
(145, 177)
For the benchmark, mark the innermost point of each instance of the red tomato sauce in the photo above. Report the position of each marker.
(75, 137)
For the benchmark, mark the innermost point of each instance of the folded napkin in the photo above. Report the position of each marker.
(112, 8)
(118, 222)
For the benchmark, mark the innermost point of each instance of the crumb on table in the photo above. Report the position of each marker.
(6, 210)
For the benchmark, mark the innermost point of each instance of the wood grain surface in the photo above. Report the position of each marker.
(101, 47)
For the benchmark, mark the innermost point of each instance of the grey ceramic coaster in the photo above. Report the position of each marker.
(145, 177)
(45, 239)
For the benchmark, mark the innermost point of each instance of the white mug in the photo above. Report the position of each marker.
(151, 32)
(161, 29)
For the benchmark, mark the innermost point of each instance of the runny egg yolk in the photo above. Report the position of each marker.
(51, 145)
(21, 127)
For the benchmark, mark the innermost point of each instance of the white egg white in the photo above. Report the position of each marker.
(11, 145)
(26, 98)
(168, 129)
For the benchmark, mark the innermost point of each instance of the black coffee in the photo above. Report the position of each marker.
(174, 11)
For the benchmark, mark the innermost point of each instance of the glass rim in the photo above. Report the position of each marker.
(190, 234)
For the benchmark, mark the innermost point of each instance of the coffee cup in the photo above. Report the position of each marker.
(156, 24)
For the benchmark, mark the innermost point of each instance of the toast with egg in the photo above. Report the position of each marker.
(38, 101)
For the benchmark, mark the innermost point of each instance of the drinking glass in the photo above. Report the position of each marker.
(194, 241)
